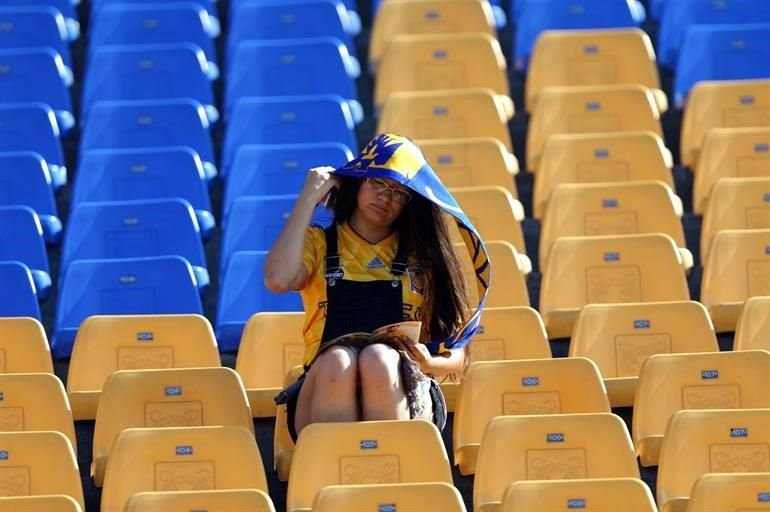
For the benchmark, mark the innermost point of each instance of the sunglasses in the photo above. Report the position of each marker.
(399, 195)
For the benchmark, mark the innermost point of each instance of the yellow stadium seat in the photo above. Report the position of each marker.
(24, 346)
(39, 464)
(671, 382)
(494, 212)
(50, 503)
(440, 62)
(505, 333)
(602, 157)
(473, 162)
(180, 397)
(721, 104)
(716, 441)
(590, 109)
(35, 401)
(620, 337)
(738, 267)
(181, 459)
(509, 287)
(512, 388)
(105, 344)
(593, 57)
(283, 444)
(730, 153)
(753, 331)
(447, 115)
(271, 345)
(590, 495)
(404, 17)
(427, 497)
(591, 209)
(369, 452)
(608, 269)
(251, 500)
(731, 492)
(550, 447)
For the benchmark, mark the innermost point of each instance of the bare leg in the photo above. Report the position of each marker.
(382, 393)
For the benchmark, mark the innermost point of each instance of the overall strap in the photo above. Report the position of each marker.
(398, 267)
(332, 253)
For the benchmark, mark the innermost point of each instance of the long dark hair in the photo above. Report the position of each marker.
(423, 228)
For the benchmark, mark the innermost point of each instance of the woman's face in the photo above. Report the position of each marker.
(380, 201)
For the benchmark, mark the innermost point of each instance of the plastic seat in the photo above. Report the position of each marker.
(150, 124)
(514, 388)
(106, 344)
(37, 75)
(252, 500)
(293, 67)
(135, 229)
(593, 57)
(590, 494)
(271, 345)
(24, 346)
(672, 382)
(398, 17)
(161, 285)
(620, 337)
(427, 497)
(178, 459)
(732, 492)
(608, 269)
(178, 397)
(591, 209)
(735, 270)
(288, 120)
(446, 115)
(155, 72)
(443, 62)
(66, 8)
(590, 109)
(472, 162)
(371, 452)
(721, 104)
(18, 296)
(721, 52)
(243, 293)
(21, 239)
(49, 503)
(509, 287)
(600, 157)
(750, 333)
(700, 442)
(209, 5)
(550, 447)
(29, 26)
(494, 212)
(729, 153)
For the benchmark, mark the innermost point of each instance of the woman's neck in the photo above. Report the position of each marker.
(371, 233)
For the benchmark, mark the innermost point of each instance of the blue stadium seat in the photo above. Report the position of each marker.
(131, 286)
(150, 124)
(536, 16)
(36, 26)
(722, 52)
(501, 18)
(209, 5)
(150, 173)
(149, 72)
(288, 120)
(293, 67)
(33, 127)
(25, 180)
(65, 7)
(682, 14)
(21, 239)
(658, 8)
(17, 291)
(36, 75)
(243, 293)
(278, 170)
(354, 19)
(135, 229)
(132, 24)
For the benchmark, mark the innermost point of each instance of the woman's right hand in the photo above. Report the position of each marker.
(318, 183)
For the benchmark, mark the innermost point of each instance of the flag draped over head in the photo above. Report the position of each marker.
(398, 158)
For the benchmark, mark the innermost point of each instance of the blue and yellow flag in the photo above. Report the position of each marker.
(399, 159)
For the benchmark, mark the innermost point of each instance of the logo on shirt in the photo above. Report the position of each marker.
(376, 263)
(416, 280)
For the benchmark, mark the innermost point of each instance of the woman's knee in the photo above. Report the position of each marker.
(378, 363)
(336, 363)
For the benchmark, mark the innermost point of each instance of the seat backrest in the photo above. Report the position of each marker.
(753, 331)
(21, 238)
(177, 459)
(35, 74)
(730, 491)
(31, 127)
(590, 109)
(590, 494)
(494, 212)
(509, 287)
(513, 332)
(254, 500)
(49, 503)
(27, 181)
(428, 497)
(601, 157)
(106, 344)
(24, 346)
(18, 296)
(551, 447)
(35, 26)
(370, 452)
